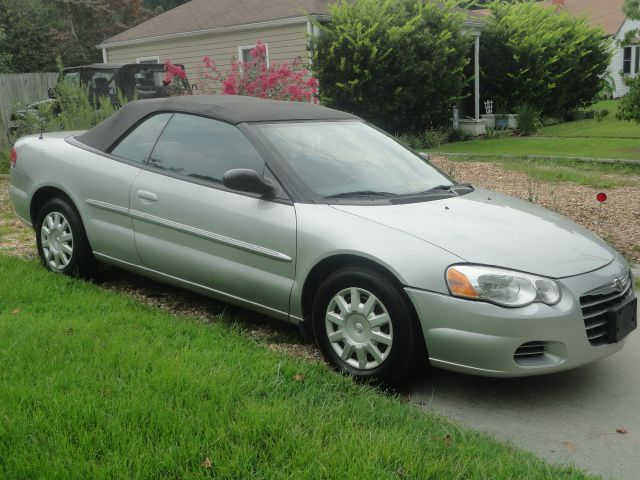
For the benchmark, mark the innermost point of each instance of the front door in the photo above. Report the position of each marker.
(190, 227)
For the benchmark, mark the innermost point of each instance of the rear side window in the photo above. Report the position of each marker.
(137, 146)
(203, 148)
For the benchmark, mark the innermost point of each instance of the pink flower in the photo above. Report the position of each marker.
(285, 81)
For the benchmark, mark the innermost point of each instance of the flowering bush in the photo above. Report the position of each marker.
(172, 71)
(255, 78)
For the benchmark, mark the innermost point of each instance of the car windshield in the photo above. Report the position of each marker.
(350, 159)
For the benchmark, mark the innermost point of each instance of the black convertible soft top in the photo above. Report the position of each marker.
(232, 109)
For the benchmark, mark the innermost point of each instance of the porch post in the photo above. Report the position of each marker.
(476, 58)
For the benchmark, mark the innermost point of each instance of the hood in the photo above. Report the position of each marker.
(493, 229)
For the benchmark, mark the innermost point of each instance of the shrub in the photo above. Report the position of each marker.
(552, 59)
(457, 135)
(411, 140)
(72, 109)
(494, 133)
(397, 63)
(285, 81)
(550, 121)
(434, 138)
(629, 108)
(528, 119)
(602, 114)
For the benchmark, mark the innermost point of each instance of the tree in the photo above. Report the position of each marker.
(5, 56)
(630, 105)
(545, 56)
(36, 31)
(397, 63)
(27, 46)
(87, 23)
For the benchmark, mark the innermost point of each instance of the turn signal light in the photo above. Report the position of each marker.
(460, 284)
(14, 157)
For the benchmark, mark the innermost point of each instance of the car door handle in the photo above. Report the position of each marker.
(147, 197)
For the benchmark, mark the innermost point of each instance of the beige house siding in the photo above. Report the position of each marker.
(284, 42)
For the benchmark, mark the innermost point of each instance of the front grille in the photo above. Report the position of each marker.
(598, 302)
(530, 350)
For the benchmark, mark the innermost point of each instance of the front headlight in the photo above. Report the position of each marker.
(502, 287)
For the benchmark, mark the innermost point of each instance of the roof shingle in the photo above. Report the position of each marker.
(606, 14)
(210, 14)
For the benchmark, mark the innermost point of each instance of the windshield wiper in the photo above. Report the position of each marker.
(362, 193)
(447, 188)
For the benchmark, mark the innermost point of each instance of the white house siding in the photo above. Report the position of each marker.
(618, 57)
(284, 42)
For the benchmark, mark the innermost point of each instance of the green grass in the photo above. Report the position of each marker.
(609, 127)
(610, 138)
(614, 148)
(96, 385)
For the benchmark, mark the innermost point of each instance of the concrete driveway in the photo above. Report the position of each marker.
(565, 418)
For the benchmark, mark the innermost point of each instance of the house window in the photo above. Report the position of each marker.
(244, 53)
(637, 62)
(154, 59)
(626, 60)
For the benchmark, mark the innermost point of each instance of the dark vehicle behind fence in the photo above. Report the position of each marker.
(116, 81)
(137, 81)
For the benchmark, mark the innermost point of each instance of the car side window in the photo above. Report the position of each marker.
(138, 144)
(203, 148)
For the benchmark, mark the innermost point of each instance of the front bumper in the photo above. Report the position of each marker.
(481, 339)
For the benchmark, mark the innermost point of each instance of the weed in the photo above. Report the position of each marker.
(528, 119)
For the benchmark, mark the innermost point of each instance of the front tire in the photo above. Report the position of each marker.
(365, 327)
(63, 246)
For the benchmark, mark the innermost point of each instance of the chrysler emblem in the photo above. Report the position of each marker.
(619, 283)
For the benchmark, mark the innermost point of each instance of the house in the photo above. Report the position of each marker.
(224, 29)
(608, 15)
(221, 29)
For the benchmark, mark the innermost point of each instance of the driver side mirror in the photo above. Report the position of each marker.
(425, 156)
(246, 180)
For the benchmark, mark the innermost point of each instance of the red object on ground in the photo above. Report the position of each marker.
(601, 197)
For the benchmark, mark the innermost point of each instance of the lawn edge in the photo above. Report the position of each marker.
(537, 157)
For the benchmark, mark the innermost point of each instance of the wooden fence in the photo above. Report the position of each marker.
(21, 89)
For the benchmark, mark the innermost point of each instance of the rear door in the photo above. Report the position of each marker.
(189, 226)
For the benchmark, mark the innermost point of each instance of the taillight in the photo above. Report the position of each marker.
(14, 157)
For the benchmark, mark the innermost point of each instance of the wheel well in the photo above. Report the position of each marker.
(329, 265)
(42, 196)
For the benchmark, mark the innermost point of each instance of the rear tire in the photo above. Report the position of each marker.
(365, 327)
(62, 242)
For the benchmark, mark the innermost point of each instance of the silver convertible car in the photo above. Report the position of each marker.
(315, 217)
